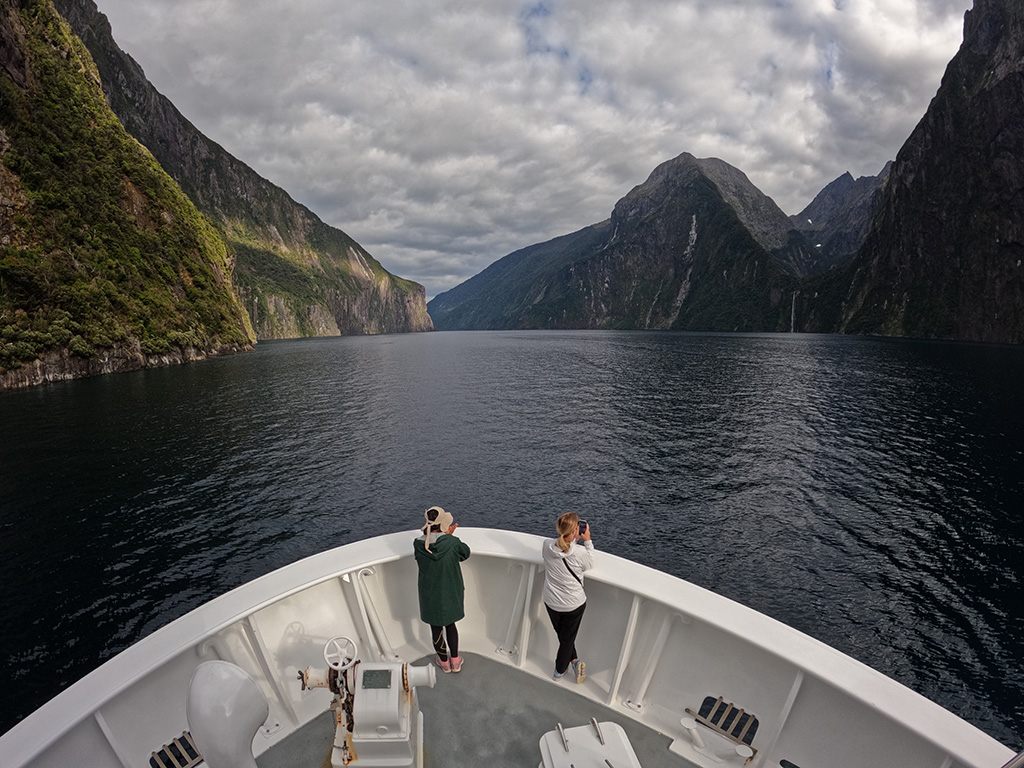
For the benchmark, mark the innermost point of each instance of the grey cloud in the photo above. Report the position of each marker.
(443, 136)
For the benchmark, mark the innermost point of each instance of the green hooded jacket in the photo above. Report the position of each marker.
(440, 582)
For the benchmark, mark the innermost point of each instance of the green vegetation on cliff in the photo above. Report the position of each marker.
(296, 275)
(99, 247)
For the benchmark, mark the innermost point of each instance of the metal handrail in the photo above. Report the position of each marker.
(1016, 762)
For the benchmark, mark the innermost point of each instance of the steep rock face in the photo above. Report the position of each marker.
(759, 214)
(694, 247)
(297, 275)
(504, 295)
(945, 255)
(105, 264)
(837, 221)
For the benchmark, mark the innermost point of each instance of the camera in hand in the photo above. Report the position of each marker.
(583, 527)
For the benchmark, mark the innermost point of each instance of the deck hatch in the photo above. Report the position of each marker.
(180, 753)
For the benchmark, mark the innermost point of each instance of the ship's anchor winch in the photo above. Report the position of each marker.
(377, 717)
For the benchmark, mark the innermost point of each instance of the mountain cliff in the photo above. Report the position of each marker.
(105, 264)
(696, 246)
(504, 295)
(837, 221)
(945, 254)
(296, 275)
(931, 247)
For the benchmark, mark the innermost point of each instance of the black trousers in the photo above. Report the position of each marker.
(566, 624)
(446, 641)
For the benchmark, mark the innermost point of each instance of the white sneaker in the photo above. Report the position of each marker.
(580, 668)
(556, 675)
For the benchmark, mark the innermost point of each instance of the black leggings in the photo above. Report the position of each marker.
(566, 624)
(446, 641)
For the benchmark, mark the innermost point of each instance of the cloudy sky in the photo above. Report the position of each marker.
(443, 135)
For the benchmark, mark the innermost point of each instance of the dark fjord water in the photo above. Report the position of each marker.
(869, 493)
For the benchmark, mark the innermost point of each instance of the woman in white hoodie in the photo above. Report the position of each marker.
(564, 563)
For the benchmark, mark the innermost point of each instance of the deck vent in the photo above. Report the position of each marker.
(725, 718)
(787, 764)
(180, 753)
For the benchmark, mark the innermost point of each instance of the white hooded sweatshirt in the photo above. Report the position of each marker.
(561, 591)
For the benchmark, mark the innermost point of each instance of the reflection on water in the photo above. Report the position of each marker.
(866, 492)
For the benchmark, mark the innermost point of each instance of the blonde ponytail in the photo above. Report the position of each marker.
(566, 525)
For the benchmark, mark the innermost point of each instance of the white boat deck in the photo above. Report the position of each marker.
(488, 714)
(656, 648)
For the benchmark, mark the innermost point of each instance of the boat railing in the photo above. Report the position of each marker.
(1016, 762)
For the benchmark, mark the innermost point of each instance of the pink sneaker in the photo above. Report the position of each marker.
(456, 663)
(446, 666)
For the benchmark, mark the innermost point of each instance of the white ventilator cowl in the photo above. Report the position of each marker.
(225, 708)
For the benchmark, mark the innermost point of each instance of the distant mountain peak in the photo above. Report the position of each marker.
(693, 247)
(759, 213)
(838, 218)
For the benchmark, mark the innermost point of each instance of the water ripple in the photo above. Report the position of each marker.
(866, 492)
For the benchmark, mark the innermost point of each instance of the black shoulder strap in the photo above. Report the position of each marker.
(572, 571)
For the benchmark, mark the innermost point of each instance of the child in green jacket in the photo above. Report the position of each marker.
(439, 554)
